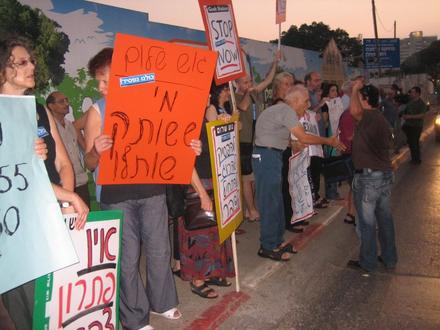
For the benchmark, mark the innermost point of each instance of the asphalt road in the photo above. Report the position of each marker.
(315, 290)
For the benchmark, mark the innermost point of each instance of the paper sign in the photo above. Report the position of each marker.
(222, 36)
(299, 187)
(33, 238)
(280, 11)
(85, 295)
(155, 105)
(225, 162)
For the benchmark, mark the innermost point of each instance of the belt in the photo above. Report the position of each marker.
(270, 148)
(365, 171)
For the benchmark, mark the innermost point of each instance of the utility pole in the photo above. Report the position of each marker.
(376, 36)
(395, 29)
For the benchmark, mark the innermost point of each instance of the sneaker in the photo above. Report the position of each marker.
(387, 267)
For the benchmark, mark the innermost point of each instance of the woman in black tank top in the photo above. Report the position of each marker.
(17, 68)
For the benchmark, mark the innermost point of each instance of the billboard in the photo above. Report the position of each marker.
(389, 53)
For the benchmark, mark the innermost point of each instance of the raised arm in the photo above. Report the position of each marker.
(356, 109)
(270, 75)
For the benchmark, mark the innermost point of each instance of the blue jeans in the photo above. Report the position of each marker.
(371, 194)
(267, 165)
(146, 222)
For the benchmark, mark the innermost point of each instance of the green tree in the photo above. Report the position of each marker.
(48, 42)
(425, 61)
(316, 37)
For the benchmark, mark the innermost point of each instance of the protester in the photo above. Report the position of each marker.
(331, 111)
(313, 84)
(372, 180)
(204, 261)
(413, 126)
(272, 136)
(58, 104)
(282, 82)
(250, 103)
(346, 133)
(145, 221)
(17, 69)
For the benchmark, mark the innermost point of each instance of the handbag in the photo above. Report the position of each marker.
(195, 217)
(338, 169)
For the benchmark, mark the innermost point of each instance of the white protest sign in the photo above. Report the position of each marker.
(222, 36)
(299, 187)
(84, 295)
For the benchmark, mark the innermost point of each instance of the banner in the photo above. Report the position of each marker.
(221, 33)
(155, 105)
(85, 295)
(33, 238)
(299, 187)
(280, 11)
(225, 163)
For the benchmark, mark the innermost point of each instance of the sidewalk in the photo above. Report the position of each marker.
(199, 313)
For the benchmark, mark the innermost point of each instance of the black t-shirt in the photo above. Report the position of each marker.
(45, 133)
(203, 162)
(372, 142)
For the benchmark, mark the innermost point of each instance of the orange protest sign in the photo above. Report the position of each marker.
(157, 97)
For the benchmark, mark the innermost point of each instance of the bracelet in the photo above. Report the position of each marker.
(64, 205)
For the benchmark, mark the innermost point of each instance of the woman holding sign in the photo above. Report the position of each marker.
(204, 261)
(17, 69)
(145, 220)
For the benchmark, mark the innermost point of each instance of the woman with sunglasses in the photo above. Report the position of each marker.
(17, 77)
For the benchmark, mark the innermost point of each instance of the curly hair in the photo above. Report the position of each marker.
(215, 93)
(100, 60)
(6, 48)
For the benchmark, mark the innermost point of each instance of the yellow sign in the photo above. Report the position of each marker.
(225, 163)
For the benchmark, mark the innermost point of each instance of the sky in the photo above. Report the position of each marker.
(255, 19)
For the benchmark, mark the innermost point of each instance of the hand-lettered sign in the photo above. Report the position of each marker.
(280, 11)
(155, 105)
(33, 238)
(225, 162)
(222, 36)
(85, 295)
(299, 186)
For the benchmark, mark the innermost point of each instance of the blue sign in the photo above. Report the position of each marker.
(136, 80)
(389, 53)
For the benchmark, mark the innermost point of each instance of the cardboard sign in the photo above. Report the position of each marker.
(85, 295)
(225, 162)
(299, 186)
(155, 105)
(222, 36)
(280, 11)
(33, 238)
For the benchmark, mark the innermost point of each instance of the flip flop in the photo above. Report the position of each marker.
(218, 282)
(171, 314)
(202, 291)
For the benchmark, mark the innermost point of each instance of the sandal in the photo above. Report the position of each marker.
(218, 281)
(350, 219)
(171, 314)
(288, 248)
(276, 254)
(320, 204)
(203, 291)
